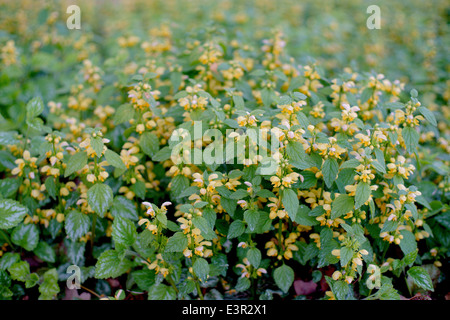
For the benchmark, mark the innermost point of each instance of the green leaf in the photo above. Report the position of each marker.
(350, 164)
(421, 278)
(340, 290)
(144, 278)
(177, 243)
(408, 244)
(237, 228)
(76, 162)
(284, 277)
(330, 170)
(242, 284)
(100, 198)
(160, 291)
(254, 257)
(239, 102)
(201, 269)
(109, 265)
(205, 228)
(303, 218)
(76, 224)
(50, 187)
(252, 218)
(114, 159)
(428, 115)
(26, 236)
(8, 259)
(149, 143)
(49, 287)
(379, 164)
(290, 201)
(362, 194)
(34, 108)
(19, 271)
(32, 280)
(239, 194)
(97, 144)
(162, 155)
(11, 213)
(45, 252)
(346, 255)
(409, 258)
(411, 138)
(125, 208)
(123, 231)
(9, 186)
(341, 206)
(178, 184)
(123, 114)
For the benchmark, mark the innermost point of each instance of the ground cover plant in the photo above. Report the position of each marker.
(224, 150)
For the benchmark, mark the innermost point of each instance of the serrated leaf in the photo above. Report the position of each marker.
(346, 255)
(76, 224)
(97, 144)
(421, 278)
(284, 277)
(205, 228)
(177, 243)
(254, 257)
(45, 252)
(100, 198)
(123, 114)
(408, 244)
(330, 170)
(362, 194)
(411, 138)
(109, 265)
(303, 218)
(19, 271)
(290, 201)
(26, 236)
(34, 108)
(76, 162)
(114, 159)
(11, 213)
(149, 143)
(341, 206)
(124, 208)
(160, 291)
(123, 231)
(237, 228)
(251, 217)
(49, 287)
(428, 115)
(201, 269)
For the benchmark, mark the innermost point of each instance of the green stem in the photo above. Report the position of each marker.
(172, 283)
(254, 285)
(199, 290)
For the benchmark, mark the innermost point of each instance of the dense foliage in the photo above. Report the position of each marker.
(107, 134)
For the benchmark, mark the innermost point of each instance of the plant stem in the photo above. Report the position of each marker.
(90, 291)
(172, 283)
(199, 290)
(254, 285)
